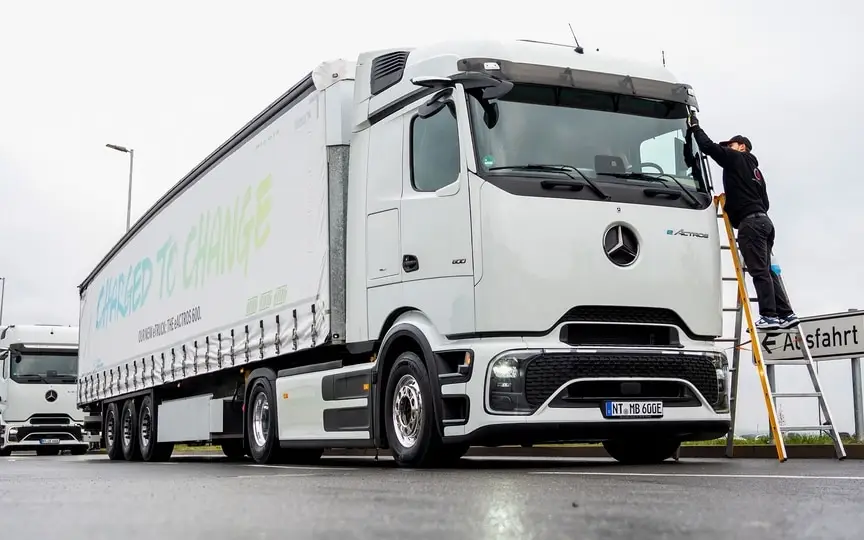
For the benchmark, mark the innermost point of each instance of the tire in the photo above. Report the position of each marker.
(150, 449)
(111, 432)
(47, 451)
(5, 452)
(411, 433)
(262, 435)
(641, 452)
(233, 449)
(129, 431)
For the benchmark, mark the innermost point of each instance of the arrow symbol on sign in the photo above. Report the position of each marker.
(767, 342)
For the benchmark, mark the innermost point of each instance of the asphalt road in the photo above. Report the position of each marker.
(204, 498)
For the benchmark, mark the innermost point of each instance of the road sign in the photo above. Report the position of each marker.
(830, 337)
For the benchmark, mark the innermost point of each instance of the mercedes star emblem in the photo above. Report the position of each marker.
(621, 245)
(50, 396)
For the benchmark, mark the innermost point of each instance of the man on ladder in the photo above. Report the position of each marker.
(747, 208)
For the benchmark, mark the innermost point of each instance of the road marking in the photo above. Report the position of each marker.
(281, 475)
(302, 467)
(697, 475)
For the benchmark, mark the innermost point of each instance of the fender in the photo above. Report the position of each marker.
(405, 330)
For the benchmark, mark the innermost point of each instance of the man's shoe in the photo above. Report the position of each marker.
(768, 323)
(789, 321)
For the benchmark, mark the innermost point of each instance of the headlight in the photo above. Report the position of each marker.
(721, 367)
(506, 367)
(506, 385)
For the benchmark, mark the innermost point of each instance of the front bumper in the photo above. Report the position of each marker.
(28, 436)
(559, 394)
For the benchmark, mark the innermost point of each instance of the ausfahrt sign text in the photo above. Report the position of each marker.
(829, 337)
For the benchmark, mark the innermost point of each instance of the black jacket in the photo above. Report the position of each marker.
(743, 182)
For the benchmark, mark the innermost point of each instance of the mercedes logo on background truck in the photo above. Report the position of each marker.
(50, 396)
(621, 245)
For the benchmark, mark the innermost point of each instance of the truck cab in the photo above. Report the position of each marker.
(548, 216)
(38, 377)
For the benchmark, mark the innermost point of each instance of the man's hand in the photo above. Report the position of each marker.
(692, 121)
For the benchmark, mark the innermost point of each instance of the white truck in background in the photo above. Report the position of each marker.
(467, 243)
(38, 375)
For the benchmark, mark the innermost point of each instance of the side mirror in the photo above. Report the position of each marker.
(436, 103)
(498, 91)
(680, 159)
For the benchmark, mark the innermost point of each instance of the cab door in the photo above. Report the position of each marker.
(436, 249)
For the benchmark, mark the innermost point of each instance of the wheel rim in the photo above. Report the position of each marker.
(109, 429)
(261, 420)
(146, 427)
(127, 428)
(407, 411)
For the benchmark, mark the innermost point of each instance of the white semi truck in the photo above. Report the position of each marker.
(38, 375)
(468, 243)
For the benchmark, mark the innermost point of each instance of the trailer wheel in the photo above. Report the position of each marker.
(261, 428)
(5, 452)
(151, 450)
(409, 413)
(129, 431)
(111, 432)
(641, 452)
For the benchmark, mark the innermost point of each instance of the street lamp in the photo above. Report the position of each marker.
(131, 153)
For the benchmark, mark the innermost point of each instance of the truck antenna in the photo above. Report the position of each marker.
(578, 48)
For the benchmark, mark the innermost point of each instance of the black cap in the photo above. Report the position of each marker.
(740, 139)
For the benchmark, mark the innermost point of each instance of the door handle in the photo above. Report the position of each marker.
(410, 263)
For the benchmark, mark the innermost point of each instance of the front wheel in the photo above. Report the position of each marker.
(641, 452)
(409, 413)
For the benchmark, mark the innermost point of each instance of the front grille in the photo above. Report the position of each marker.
(628, 315)
(545, 373)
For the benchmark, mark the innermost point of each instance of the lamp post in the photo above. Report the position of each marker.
(131, 153)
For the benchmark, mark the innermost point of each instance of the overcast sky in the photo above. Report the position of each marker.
(173, 80)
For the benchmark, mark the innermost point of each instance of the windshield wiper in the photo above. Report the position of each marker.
(656, 178)
(564, 169)
(32, 377)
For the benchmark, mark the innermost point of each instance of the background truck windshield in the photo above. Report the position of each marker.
(51, 366)
(596, 132)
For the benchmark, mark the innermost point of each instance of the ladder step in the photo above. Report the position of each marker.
(730, 279)
(730, 309)
(807, 428)
(797, 394)
(784, 362)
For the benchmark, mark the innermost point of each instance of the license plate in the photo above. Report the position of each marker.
(633, 409)
(49, 441)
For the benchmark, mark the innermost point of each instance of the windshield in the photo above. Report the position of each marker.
(44, 367)
(608, 137)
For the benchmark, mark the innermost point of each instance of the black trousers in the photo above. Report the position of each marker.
(756, 240)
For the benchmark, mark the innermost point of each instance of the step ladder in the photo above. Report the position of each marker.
(764, 367)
